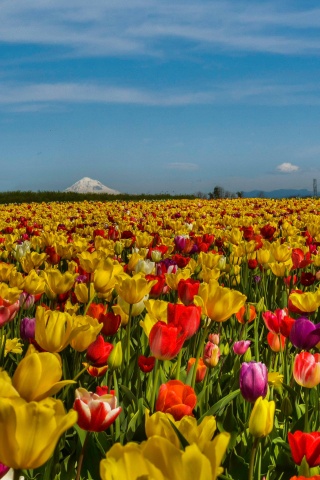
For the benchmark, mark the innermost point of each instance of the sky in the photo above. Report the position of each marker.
(156, 96)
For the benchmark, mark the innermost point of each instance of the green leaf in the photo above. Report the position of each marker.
(218, 406)
(81, 433)
(183, 441)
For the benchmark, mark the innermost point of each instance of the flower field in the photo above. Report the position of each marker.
(161, 340)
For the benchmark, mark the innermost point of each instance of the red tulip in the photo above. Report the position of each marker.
(306, 369)
(157, 289)
(165, 340)
(95, 412)
(98, 352)
(146, 364)
(187, 289)
(278, 321)
(305, 445)
(176, 398)
(187, 318)
(111, 323)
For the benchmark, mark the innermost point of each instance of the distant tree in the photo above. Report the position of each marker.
(200, 195)
(218, 192)
(261, 194)
(240, 194)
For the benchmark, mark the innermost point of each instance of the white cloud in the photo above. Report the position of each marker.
(182, 166)
(82, 28)
(46, 96)
(287, 167)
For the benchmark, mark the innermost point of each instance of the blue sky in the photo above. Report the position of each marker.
(151, 96)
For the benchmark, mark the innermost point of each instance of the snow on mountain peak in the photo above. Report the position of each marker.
(88, 185)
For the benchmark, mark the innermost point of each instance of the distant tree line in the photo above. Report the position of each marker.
(49, 196)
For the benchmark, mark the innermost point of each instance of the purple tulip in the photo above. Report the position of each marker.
(253, 380)
(180, 242)
(241, 346)
(27, 328)
(305, 334)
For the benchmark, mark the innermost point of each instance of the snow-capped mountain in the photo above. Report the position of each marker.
(87, 185)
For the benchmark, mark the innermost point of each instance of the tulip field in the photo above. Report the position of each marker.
(160, 340)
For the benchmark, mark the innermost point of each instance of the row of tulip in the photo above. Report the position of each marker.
(160, 340)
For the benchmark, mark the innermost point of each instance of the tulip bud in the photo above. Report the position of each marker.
(211, 354)
(261, 418)
(118, 247)
(260, 305)
(115, 357)
(286, 407)
(247, 356)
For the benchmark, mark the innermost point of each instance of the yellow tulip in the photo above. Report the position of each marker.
(38, 376)
(281, 269)
(104, 278)
(81, 292)
(133, 289)
(281, 252)
(5, 271)
(133, 260)
(307, 302)
(261, 418)
(128, 463)
(210, 260)
(32, 260)
(57, 283)
(159, 424)
(33, 284)
(159, 459)
(54, 330)
(136, 308)
(16, 279)
(6, 388)
(117, 310)
(143, 240)
(263, 256)
(217, 302)
(29, 431)
(9, 294)
(172, 279)
(208, 274)
(90, 261)
(235, 236)
(81, 341)
(156, 311)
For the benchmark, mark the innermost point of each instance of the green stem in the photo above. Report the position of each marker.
(306, 417)
(256, 338)
(127, 348)
(81, 457)
(156, 373)
(252, 458)
(178, 365)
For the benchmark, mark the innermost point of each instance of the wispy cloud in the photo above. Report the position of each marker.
(135, 27)
(27, 96)
(287, 167)
(182, 166)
